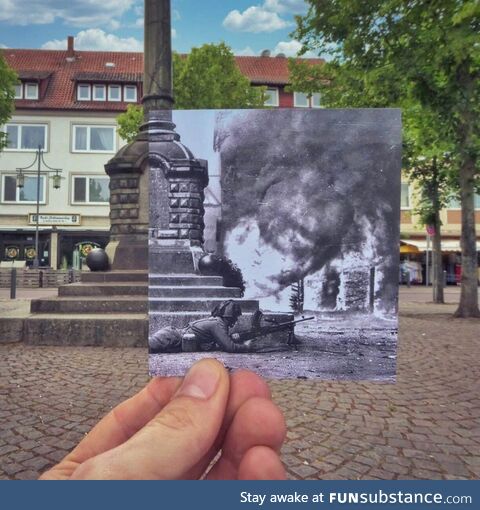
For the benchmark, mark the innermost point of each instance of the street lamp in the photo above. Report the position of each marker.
(22, 172)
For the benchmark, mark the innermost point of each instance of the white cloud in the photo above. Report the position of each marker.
(114, 24)
(3, 46)
(95, 39)
(254, 19)
(291, 49)
(246, 52)
(75, 12)
(292, 6)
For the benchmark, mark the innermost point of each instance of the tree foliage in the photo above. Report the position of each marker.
(423, 57)
(208, 77)
(8, 79)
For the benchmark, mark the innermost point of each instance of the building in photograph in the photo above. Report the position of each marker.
(67, 103)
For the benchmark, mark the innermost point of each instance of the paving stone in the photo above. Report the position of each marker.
(302, 471)
(425, 426)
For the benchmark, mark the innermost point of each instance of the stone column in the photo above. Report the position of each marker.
(156, 160)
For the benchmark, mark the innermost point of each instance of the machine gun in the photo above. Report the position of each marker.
(258, 330)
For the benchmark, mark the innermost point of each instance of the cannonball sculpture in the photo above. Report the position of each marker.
(211, 265)
(97, 260)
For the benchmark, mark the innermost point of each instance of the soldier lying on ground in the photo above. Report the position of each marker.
(210, 334)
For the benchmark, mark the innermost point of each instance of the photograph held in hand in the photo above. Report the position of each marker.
(273, 242)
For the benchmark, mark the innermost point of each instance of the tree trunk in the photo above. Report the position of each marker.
(437, 269)
(438, 279)
(468, 306)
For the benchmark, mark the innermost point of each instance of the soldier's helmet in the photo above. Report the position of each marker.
(227, 309)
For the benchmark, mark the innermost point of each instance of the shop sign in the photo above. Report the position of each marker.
(54, 219)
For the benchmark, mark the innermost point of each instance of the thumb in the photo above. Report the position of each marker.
(178, 439)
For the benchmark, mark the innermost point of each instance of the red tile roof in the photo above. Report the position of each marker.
(62, 73)
(267, 70)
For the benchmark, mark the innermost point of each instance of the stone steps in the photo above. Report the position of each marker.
(109, 330)
(111, 309)
(104, 289)
(93, 305)
(155, 291)
(181, 280)
(117, 276)
(204, 305)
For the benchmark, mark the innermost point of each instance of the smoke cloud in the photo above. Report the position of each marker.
(304, 188)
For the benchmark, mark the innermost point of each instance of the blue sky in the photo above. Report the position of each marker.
(247, 26)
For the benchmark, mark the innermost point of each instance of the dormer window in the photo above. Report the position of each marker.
(19, 91)
(83, 92)
(130, 93)
(31, 90)
(99, 93)
(26, 90)
(114, 93)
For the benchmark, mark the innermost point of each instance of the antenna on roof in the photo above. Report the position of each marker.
(265, 53)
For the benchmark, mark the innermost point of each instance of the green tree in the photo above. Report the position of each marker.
(8, 79)
(208, 77)
(428, 162)
(417, 55)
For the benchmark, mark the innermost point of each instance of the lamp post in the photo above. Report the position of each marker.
(22, 172)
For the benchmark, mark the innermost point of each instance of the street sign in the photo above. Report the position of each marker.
(54, 219)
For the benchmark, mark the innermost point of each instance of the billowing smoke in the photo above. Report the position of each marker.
(304, 189)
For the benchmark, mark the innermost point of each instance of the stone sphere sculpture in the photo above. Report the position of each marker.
(97, 260)
(210, 265)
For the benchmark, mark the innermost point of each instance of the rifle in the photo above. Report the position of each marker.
(258, 330)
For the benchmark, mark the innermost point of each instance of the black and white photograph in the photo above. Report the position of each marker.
(273, 242)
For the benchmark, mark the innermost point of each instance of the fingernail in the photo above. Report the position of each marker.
(201, 381)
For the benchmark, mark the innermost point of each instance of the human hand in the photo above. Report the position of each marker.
(174, 428)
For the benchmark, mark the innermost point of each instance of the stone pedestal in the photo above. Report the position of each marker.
(177, 181)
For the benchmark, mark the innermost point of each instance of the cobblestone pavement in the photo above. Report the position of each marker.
(426, 426)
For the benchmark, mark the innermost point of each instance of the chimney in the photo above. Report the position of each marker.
(71, 47)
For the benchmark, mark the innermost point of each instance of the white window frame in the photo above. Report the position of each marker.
(409, 206)
(87, 189)
(25, 92)
(99, 86)
(21, 90)
(17, 200)
(295, 100)
(310, 102)
(119, 93)
(89, 127)
(133, 87)
(276, 97)
(319, 105)
(19, 137)
(79, 87)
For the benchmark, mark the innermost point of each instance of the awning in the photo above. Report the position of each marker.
(448, 245)
(408, 248)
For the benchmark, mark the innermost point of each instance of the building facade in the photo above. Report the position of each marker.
(416, 244)
(67, 103)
